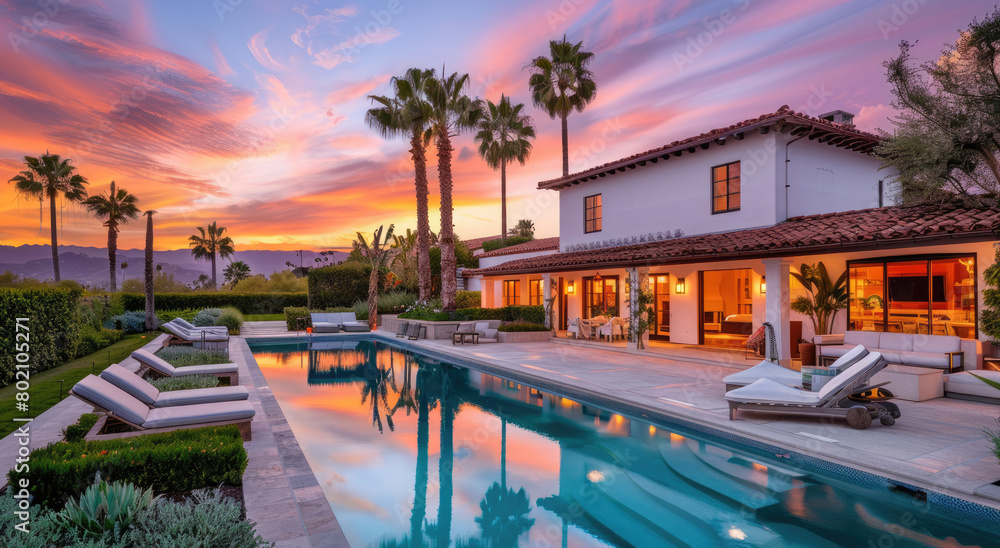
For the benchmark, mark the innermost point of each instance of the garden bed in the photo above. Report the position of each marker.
(524, 336)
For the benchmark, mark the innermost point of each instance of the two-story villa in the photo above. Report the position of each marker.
(715, 223)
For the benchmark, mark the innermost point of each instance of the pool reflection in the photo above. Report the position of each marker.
(413, 452)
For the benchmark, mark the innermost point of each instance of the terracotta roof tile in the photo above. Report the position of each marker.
(831, 132)
(477, 243)
(814, 234)
(541, 244)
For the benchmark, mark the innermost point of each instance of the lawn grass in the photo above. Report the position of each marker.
(263, 317)
(45, 389)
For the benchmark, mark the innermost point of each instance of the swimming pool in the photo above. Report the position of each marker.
(412, 449)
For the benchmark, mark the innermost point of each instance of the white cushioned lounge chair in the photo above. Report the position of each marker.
(770, 395)
(784, 375)
(198, 338)
(149, 395)
(159, 367)
(349, 323)
(121, 407)
(194, 328)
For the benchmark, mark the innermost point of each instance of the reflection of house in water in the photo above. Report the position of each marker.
(628, 482)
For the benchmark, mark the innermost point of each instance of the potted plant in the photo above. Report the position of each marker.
(826, 298)
(989, 317)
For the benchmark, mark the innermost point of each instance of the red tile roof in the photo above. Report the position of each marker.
(784, 120)
(886, 227)
(477, 243)
(541, 244)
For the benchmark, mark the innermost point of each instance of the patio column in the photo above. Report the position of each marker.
(547, 295)
(777, 310)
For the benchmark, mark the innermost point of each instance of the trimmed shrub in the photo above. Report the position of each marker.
(130, 322)
(75, 432)
(525, 313)
(232, 319)
(168, 384)
(393, 302)
(500, 243)
(91, 341)
(180, 356)
(468, 299)
(52, 327)
(247, 303)
(519, 327)
(173, 461)
(339, 285)
(293, 313)
(207, 317)
(207, 521)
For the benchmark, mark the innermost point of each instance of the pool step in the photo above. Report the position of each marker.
(692, 469)
(775, 479)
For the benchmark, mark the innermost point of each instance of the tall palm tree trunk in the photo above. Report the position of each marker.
(373, 298)
(55, 238)
(113, 254)
(420, 486)
(449, 285)
(423, 222)
(503, 197)
(565, 142)
(215, 284)
(150, 314)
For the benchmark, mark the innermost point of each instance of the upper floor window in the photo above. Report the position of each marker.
(511, 292)
(534, 292)
(726, 188)
(592, 213)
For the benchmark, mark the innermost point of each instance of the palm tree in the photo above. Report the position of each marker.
(117, 207)
(561, 84)
(377, 255)
(525, 228)
(503, 137)
(150, 314)
(826, 296)
(451, 113)
(49, 176)
(212, 242)
(236, 271)
(407, 113)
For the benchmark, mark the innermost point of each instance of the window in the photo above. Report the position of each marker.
(600, 296)
(916, 295)
(726, 188)
(534, 292)
(592, 213)
(511, 292)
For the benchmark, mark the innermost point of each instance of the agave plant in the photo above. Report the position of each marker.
(103, 507)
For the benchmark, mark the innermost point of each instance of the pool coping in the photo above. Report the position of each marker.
(958, 506)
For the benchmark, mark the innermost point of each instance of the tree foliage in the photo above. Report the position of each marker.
(209, 243)
(826, 296)
(947, 137)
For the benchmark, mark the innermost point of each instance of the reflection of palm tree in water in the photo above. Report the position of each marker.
(376, 388)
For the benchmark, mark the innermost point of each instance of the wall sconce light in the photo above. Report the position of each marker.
(680, 288)
(597, 277)
(763, 285)
(571, 288)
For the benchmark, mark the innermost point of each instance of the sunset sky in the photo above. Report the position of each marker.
(251, 113)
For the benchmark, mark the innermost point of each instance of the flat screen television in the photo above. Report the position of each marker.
(913, 289)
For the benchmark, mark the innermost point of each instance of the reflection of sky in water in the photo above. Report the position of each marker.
(369, 477)
(615, 480)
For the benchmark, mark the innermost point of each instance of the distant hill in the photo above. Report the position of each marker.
(89, 265)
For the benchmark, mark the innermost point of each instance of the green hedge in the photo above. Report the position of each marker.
(468, 299)
(247, 303)
(518, 327)
(293, 313)
(91, 341)
(53, 328)
(340, 285)
(500, 243)
(174, 461)
(530, 314)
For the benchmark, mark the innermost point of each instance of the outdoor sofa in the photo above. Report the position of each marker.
(119, 406)
(335, 322)
(159, 367)
(148, 394)
(831, 401)
(784, 375)
(935, 351)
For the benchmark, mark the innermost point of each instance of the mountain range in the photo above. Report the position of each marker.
(89, 265)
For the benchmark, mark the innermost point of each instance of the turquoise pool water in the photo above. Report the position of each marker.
(412, 451)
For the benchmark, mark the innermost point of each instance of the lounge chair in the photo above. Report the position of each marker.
(149, 395)
(414, 330)
(121, 407)
(350, 323)
(206, 339)
(401, 330)
(159, 367)
(831, 401)
(790, 377)
(194, 328)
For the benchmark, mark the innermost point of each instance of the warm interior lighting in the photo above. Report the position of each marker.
(571, 288)
(763, 285)
(680, 288)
